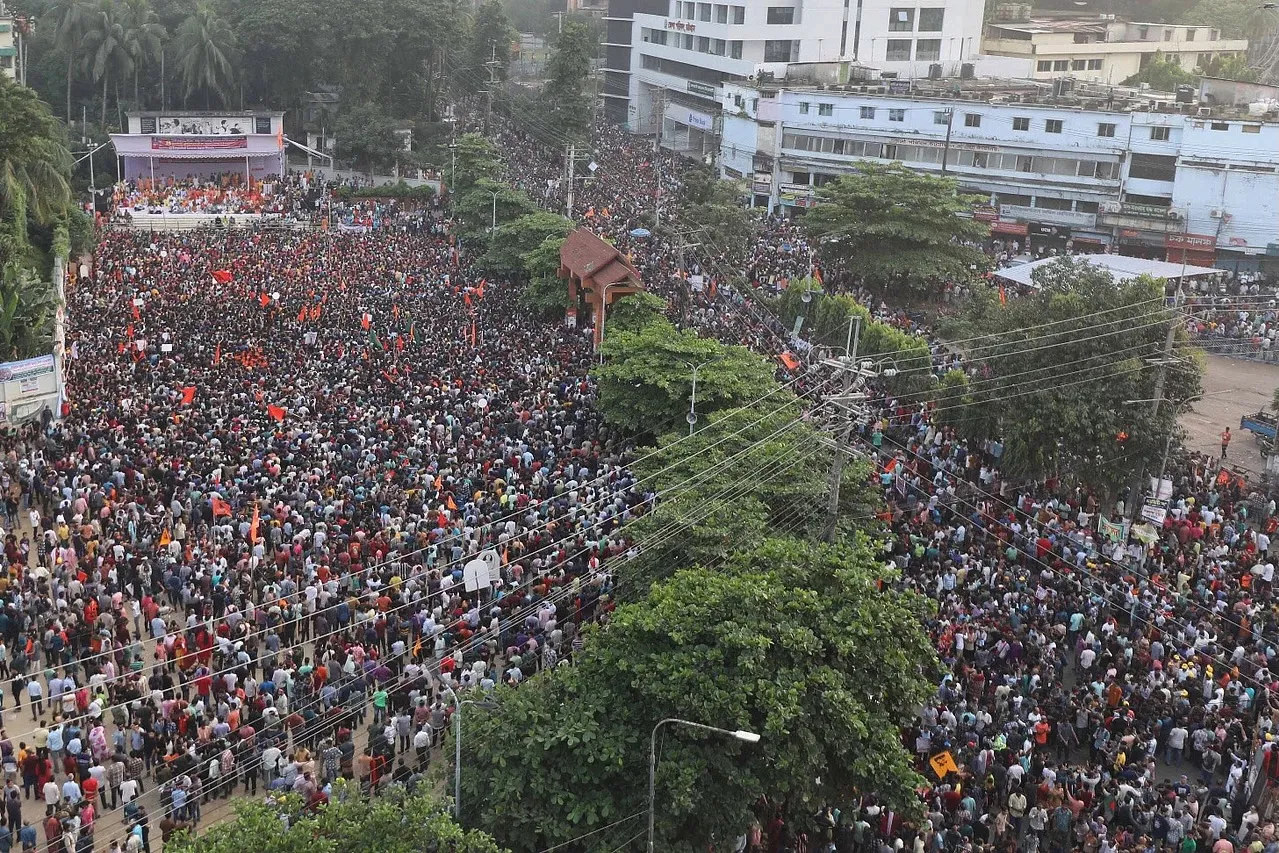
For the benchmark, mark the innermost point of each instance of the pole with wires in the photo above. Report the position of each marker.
(844, 422)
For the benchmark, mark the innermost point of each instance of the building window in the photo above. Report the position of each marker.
(1143, 33)
(979, 159)
(1021, 123)
(901, 20)
(930, 20)
(690, 11)
(1190, 34)
(1168, 33)
(778, 50)
(781, 14)
(721, 13)
(888, 152)
(704, 12)
(896, 115)
(1025, 163)
(718, 47)
(941, 117)
(1061, 65)
(803, 108)
(825, 109)
(927, 50)
(703, 44)
(1052, 125)
(1174, 58)
(1094, 65)
(735, 49)
(1106, 129)
(1250, 128)
(1220, 125)
(868, 112)
(972, 119)
(1044, 65)
(1153, 167)
(1160, 134)
(739, 14)
(898, 50)
(1078, 64)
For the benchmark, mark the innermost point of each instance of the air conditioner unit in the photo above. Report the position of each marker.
(1215, 213)
(1204, 111)
(1174, 215)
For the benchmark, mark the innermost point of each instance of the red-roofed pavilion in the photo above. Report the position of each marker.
(598, 275)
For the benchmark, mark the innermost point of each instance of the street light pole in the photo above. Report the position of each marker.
(457, 754)
(740, 734)
(691, 417)
(603, 316)
(493, 193)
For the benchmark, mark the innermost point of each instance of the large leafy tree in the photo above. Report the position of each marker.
(711, 208)
(1056, 395)
(34, 161)
(1229, 67)
(205, 45)
(105, 48)
(143, 39)
(366, 137)
(349, 823)
(646, 380)
(70, 18)
(512, 242)
(472, 157)
(486, 199)
(897, 227)
(1235, 18)
(797, 642)
(1162, 74)
(491, 38)
(568, 109)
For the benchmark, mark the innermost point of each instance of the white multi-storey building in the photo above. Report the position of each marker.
(1164, 182)
(8, 46)
(667, 61)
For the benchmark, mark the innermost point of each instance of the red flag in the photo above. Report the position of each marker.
(395, 310)
(264, 299)
(217, 353)
(366, 321)
(188, 395)
(479, 291)
(220, 507)
(302, 315)
(1003, 295)
(137, 315)
(467, 298)
(399, 343)
(276, 412)
(222, 276)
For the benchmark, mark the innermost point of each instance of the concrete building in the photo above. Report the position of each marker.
(666, 61)
(8, 46)
(1156, 181)
(1104, 50)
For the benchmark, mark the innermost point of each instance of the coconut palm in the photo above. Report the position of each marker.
(106, 53)
(69, 18)
(35, 165)
(143, 38)
(206, 45)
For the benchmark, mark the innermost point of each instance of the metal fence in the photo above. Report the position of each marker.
(1249, 348)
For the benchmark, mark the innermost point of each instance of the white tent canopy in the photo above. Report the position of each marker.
(1121, 267)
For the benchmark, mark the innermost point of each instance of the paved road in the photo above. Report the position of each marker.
(1237, 387)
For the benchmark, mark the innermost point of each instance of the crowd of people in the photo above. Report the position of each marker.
(310, 486)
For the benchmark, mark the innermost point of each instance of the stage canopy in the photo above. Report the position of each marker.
(198, 144)
(1121, 267)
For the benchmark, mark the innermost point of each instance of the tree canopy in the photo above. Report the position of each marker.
(1056, 394)
(349, 823)
(795, 641)
(366, 137)
(899, 228)
(568, 109)
(1162, 74)
(511, 243)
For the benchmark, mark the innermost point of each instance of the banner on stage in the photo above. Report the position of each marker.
(169, 143)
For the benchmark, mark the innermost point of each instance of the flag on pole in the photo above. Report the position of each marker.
(366, 321)
(188, 395)
(217, 354)
(221, 507)
(222, 276)
(253, 525)
(276, 412)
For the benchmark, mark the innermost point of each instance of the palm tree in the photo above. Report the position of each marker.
(69, 18)
(143, 38)
(205, 44)
(35, 166)
(105, 50)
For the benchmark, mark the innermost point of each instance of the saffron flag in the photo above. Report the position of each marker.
(221, 507)
(188, 395)
(1003, 295)
(253, 525)
(264, 299)
(222, 276)
(366, 321)
(276, 412)
(217, 353)
(302, 314)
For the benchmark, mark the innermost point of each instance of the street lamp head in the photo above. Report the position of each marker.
(748, 737)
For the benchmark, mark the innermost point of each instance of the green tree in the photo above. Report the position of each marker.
(143, 39)
(205, 45)
(646, 380)
(1162, 74)
(1234, 18)
(1232, 67)
(70, 19)
(491, 38)
(282, 45)
(27, 308)
(797, 642)
(632, 313)
(546, 294)
(472, 157)
(897, 227)
(34, 162)
(366, 137)
(567, 108)
(714, 208)
(349, 823)
(476, 208)
(1057, 399)
(513, 242)
(105, 49)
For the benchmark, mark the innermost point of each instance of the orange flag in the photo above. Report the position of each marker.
(467, 298)
(302, 314)
(264, 299)
(217, 353)
(188, 395)
(366, 321)
(451, 505)
(276, 412)
(395, 310)
(253, 525)
(220, 507)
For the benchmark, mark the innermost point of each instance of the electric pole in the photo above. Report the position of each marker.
(572, 163)
(491, 66)
(659, 108)
(843, 402)
(945, 151)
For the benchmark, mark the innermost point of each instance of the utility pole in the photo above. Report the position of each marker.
(659, 109)
(1162, 362)
(686, 292)
(572, 162)
(491, 66)
(945, 151)
(852, 373)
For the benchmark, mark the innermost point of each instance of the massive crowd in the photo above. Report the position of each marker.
(309, 486)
